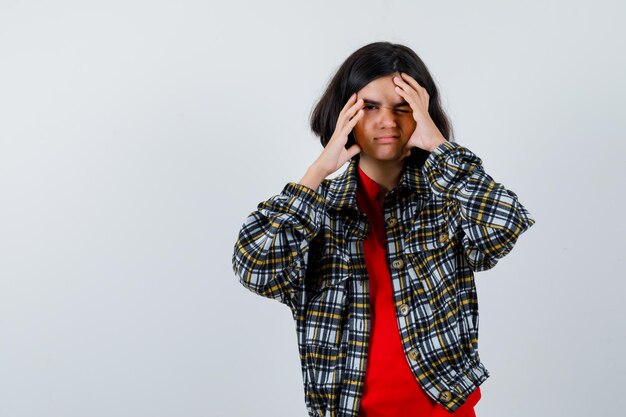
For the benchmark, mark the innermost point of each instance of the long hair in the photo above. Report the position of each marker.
(364, 65)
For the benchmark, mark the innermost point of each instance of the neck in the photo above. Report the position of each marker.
(385, 173)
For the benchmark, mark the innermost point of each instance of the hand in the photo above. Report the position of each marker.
(426, 134)
(335, 154)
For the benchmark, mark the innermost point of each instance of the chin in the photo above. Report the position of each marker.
(387, 157)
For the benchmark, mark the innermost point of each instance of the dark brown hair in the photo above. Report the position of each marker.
(364, 65)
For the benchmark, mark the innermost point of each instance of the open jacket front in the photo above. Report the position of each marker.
(443, 222)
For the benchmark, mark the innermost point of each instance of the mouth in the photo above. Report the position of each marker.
(387, 139)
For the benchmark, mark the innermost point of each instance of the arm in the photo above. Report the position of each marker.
(270, 253)
(492, 218)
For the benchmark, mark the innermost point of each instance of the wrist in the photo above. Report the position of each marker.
(313, 177)
(436, 143)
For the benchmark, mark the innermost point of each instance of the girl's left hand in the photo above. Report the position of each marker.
(426, 134)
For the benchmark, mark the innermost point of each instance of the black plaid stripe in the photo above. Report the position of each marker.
(303, 247)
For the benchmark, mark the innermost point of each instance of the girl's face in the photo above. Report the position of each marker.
(387, 122)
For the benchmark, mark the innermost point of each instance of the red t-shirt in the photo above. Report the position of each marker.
(390, 387)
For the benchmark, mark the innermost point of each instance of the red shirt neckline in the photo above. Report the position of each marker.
(370, 187)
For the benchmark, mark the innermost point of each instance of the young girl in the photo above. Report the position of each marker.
(377, 264)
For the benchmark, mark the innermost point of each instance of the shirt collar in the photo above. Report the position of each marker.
(342, 189)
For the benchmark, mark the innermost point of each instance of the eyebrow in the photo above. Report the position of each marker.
(378, 103)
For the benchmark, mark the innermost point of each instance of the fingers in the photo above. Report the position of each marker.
(348, 117)
(410, 98)
(403, 87)
(347, 106)
(355, 109)
(354, 119)
(410, 80)
(349, 110)
(410, 85)
(412, 92)
(348, 103)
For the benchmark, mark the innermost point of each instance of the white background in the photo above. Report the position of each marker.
(136, 136)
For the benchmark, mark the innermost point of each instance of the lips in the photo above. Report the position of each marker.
(387, 139)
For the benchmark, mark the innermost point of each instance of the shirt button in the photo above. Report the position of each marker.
(445, 396)
(404, 309)
(398, 264)
(443, 238)
(391, 221)
(414, 354)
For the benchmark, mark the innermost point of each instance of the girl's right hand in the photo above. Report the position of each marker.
(335, 154)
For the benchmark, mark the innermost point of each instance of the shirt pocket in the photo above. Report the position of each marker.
(326, 297)
(432, 229)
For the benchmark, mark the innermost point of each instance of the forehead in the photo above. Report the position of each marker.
(381, 89)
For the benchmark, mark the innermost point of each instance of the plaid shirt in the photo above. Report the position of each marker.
(445, 221)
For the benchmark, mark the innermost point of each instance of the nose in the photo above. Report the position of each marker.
(387, 117)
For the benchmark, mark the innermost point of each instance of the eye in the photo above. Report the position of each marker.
(369, 107)
(403, 111)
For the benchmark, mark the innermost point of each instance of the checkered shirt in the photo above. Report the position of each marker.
(444, 221)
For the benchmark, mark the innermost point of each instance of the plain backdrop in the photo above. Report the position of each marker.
(136, 137)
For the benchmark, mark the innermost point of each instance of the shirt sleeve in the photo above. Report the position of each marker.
(491, 216)
(269, 256)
